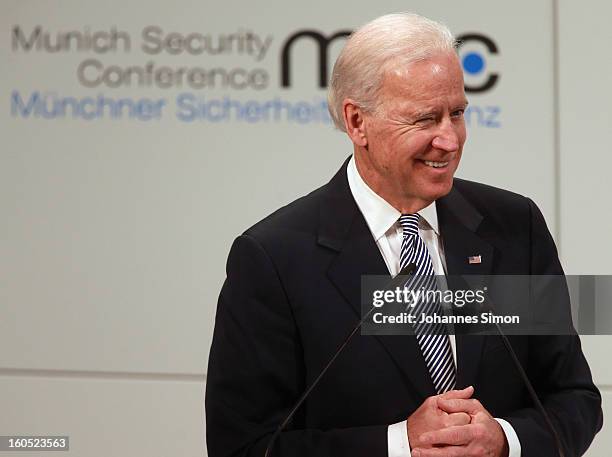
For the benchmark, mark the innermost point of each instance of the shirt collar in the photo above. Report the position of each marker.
(378, 213)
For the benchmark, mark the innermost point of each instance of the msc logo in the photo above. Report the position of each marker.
(323, 43)
(472, 60)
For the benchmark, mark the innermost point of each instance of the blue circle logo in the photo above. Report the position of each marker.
(473, 63)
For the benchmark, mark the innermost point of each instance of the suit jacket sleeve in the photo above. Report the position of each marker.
(256, 370)
(559, 372)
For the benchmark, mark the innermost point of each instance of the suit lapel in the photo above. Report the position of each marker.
(459, 222)
(343, 228)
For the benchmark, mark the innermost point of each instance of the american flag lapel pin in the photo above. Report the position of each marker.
(474, 259)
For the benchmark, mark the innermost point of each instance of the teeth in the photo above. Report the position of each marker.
(435, 164)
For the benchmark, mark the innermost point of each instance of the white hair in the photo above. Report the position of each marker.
(386, 42)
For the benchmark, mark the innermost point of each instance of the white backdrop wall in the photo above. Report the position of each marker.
(120, 197)
(585, 221)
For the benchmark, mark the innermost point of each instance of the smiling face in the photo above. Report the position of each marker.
(411, 146)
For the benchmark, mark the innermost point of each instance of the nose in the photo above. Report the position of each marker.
(446, 138)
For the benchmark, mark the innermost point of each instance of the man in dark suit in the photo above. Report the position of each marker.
(293, 285)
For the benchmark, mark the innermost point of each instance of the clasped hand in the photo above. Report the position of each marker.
(454, 424)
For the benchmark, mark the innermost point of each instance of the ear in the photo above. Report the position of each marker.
(354, 122)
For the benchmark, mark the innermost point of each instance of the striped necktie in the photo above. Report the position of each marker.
(433, 339)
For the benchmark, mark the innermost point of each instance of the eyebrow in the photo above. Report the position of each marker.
(432, 111)
(463, 105)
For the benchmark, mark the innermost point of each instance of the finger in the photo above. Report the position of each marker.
(454, 436)
(453, 419)
(459, 405)
(481, 417)
(449, 451)
(463, 393)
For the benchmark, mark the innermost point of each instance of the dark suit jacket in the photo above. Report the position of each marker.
(292, 295)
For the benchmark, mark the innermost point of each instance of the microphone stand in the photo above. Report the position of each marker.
(397, 281)
(532, 393)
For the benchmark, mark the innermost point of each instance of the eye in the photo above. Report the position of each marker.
(458, 113)
(425, 120)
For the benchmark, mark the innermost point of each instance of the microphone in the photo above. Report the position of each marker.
(532, 393)
(397, 281)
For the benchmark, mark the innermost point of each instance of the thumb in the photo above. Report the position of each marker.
(460, 394)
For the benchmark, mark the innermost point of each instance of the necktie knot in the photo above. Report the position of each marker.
(409, 224)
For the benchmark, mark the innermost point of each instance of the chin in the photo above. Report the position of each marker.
(439, 190)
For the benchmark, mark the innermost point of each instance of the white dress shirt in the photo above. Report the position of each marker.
(382, 219)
